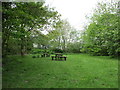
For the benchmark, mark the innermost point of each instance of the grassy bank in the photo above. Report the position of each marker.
(79, 71)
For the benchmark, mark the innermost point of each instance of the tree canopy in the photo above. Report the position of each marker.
(22, 21)
(102, 34)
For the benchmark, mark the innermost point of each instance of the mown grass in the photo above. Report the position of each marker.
(79, 71)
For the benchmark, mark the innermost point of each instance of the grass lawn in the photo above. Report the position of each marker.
(79, 71)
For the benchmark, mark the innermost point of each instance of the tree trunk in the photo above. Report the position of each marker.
(22, 47)
(64, 42)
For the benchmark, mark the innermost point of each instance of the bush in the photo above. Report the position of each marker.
(57, 50)
(40, 51)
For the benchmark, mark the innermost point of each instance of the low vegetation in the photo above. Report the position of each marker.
(79, 71)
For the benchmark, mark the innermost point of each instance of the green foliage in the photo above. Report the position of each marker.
(56, 50)
(40, 51)
(101, 36)
(64, 38)
(21, 21)
(74, 47)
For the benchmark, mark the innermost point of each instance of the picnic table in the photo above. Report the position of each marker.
(45, 55)
(58, 56)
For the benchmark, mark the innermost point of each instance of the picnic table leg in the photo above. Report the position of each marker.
(65, 58)
(52, 58)
(44, 55)
(56, 58)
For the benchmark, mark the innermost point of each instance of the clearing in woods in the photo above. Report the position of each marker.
(78, 71)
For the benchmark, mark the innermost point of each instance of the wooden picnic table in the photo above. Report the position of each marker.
(58, 56)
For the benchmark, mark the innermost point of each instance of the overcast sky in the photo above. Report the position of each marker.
(74, 10)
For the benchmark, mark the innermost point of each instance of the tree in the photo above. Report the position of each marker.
(64, 38)
(20, 20)
(101, 35)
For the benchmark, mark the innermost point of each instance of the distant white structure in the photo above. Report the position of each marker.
(35, 45)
